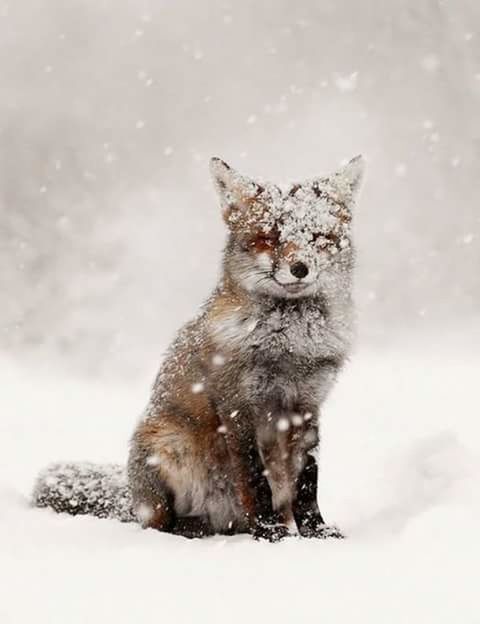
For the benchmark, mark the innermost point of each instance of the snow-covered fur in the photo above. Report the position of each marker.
(228, 436)
(85, 488)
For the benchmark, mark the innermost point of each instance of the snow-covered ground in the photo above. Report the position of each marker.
(400, 475)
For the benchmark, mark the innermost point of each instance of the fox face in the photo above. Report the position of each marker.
(288, 243)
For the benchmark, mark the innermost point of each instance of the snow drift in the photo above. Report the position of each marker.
(400, 472)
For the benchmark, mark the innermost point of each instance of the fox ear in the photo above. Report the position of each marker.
(353, 172)
(223, 176)
(348, 180)
(235, 190)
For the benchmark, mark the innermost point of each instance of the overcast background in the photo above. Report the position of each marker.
(110, 234)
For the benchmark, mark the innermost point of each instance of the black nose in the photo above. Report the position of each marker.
(298, 269)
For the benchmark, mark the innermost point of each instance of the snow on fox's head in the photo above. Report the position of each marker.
(286, 243)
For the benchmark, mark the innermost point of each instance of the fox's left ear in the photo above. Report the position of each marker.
(348, 180)
(236, 191)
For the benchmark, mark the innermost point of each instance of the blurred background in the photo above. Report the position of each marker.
(110, 233)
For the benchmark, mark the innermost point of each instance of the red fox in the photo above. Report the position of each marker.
(227, 442)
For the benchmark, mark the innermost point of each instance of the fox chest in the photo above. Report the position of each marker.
(275, 335)
(284, 359)
(288, 336)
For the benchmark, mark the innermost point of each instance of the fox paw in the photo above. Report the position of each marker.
(321, 531)
(270, 532)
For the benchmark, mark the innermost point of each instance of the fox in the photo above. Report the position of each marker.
(229, 440)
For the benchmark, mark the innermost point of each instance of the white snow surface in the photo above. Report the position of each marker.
(400, 468)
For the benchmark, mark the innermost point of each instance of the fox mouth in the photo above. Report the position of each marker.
(293, 287)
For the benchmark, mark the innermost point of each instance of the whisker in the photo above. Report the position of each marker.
(264, 278)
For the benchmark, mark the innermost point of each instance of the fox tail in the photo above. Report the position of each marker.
(85, 488)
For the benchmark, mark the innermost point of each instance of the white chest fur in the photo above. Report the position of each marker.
(302, 330)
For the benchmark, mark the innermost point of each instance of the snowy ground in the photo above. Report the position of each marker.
(400, 475)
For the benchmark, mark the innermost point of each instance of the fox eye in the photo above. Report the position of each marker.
(319, 235)
(332, 237)
(325, 239)
(264, 241)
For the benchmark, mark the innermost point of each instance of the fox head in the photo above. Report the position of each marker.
(288, 243)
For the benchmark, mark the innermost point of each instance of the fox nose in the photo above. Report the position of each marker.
(299, 269)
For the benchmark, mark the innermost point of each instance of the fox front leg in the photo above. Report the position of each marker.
(307, 514)
(245, 466)
(240, 475)
(279, 451)
(250, 485)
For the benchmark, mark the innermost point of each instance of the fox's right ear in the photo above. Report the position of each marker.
(222, 175)
(235, 190)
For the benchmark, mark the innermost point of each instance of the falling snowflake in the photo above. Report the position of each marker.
(283, 424)
(218, 359)
(346, 83)
(297, 420)
(153, 460)
(144, 512)
(197, 388)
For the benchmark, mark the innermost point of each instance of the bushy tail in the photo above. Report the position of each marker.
(85, 488)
